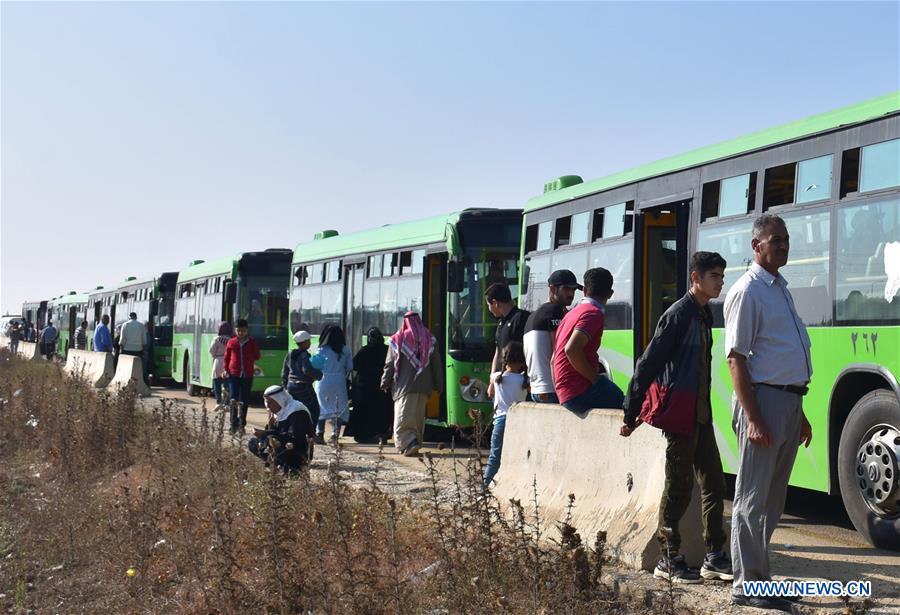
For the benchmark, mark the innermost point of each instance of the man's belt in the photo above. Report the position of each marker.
(790, 388)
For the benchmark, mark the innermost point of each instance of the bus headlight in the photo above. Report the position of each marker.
(474, 390)
(257, 373)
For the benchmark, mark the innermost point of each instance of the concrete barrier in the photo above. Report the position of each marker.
(96, 367)
(617, 482)
(130, 372)
(30, 350)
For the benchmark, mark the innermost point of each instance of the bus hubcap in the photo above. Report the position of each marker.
(876, 470)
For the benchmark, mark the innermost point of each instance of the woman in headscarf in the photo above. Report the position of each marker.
(373, 410)
(285, 440)
(335, 361)
(217, 352)
(411, 374)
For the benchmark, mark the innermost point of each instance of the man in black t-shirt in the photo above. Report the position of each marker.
(540, 334)
(510, 323)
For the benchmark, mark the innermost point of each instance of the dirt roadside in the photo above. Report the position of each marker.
(813, 542)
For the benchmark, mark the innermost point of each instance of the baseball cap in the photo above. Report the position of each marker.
(564, 277)
(302, 336)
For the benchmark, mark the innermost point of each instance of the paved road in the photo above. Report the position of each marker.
(815, 540)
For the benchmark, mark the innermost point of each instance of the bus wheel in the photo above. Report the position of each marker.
(869, 468)
(189, 386)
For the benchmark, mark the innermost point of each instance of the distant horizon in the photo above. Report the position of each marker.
(140, 136)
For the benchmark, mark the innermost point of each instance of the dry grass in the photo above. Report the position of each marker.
(92, 488)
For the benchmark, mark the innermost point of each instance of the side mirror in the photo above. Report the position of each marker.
(154, 307)
(230, 292)
(455, 277)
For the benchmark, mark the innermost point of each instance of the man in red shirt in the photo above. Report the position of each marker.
(576, 366)
(241, 354)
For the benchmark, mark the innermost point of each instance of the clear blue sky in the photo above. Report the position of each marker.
(138, 136)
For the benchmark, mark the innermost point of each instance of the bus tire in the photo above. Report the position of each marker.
(189, 386)
(868, 462)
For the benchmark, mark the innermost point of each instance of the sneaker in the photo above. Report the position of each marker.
(676, 570)
(319, 439)
(762, 602)
(412, 450)
(717, 566)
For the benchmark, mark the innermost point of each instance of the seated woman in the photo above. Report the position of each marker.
(288, 432)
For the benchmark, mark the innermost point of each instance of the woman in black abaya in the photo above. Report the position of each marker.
(372, 418)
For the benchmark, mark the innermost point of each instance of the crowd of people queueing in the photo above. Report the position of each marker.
(25, 331)
(131, 338)
(551, 356)
(768, 353)
(389, 386)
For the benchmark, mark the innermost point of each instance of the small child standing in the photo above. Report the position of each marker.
(510, 386)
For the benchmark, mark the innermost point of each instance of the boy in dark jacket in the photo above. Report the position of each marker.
(670, 390)
(298, 375)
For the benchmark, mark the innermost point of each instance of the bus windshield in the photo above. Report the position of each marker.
(263, 301)
(471, 325)
(164, 317)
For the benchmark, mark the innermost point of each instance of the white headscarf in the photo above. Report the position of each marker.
(288, 404)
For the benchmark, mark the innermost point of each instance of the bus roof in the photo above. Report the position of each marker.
(102, 292)
(136, 282)
(154, 279)
(414, 233)
(824, 122)
(208, 268)
(72, 298)
(224, 265)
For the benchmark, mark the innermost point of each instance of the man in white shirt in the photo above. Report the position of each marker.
(768, 356)
(133, 337)
(540, 334)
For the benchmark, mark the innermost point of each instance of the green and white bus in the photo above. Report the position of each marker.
(35, 312)
(69, 311)
(439, 267)
(153, 300)
(835, 179)
(101, 301)
(251, 285)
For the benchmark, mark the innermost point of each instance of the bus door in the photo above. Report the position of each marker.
(354, 277)
(196, 348)
(74, 323)
(661, 265)
(435, 289)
